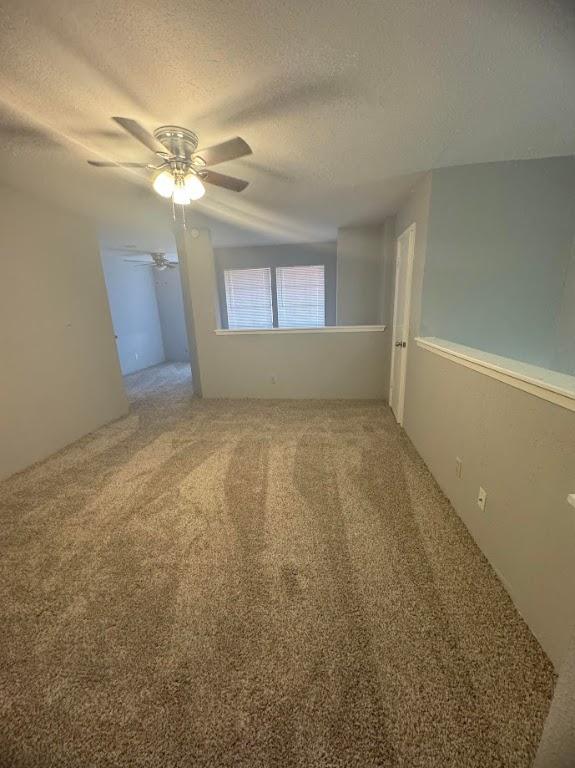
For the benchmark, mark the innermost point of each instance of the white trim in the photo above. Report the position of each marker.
(410, 232)
(529, 378)
(324, 329)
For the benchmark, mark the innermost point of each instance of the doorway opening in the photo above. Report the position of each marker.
(147, 309)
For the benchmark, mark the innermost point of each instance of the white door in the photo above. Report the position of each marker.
(401, 307)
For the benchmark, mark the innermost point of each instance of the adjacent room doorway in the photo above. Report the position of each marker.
(401, 312)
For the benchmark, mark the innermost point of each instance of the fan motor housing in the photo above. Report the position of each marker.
(180, 142)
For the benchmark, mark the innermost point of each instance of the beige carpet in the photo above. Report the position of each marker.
(253, 584)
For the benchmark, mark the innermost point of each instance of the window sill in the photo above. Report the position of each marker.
(324, 329)
(558, 388)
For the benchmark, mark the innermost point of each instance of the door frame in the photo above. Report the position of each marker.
(410, 232)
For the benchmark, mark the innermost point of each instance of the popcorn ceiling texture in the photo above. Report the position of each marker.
(343, 103)
(253, 583)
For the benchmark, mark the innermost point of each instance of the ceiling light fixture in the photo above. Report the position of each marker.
(194, 186)
(181, 188)
(180, 194)
(183, 168)
(164, 183)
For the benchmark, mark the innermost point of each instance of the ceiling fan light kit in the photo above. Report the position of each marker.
(164, 184)
(180, 194)
(194, 186)
(183, 168)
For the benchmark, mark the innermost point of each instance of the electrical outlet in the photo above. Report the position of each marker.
(481, 498)
(273, 379)
(458, 467)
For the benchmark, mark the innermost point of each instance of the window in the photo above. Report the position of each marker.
(275, 297)
(249, 298)
(300, 297)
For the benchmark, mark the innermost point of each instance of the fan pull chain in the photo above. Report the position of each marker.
(174, 213)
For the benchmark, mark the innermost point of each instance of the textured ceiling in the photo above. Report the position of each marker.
(343, 103)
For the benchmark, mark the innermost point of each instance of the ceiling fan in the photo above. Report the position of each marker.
(183, 168)
(159, 260)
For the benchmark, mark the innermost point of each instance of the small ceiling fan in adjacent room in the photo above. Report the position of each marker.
(159, 260)
(183, 168)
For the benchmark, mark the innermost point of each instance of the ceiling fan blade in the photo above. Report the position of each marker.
(228, 150)
(227, 182)
(103, 164)
(140, 134)
(134, 251)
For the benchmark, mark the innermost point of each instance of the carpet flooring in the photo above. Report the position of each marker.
(253, 583)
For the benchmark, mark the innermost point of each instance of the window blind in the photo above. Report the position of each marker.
(249, 298)
(301, 296)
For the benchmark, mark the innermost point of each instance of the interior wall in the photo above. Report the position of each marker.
(499, 247)
(168, 287)
(563, 356)
(320, 364)
(59, 377)
(183, 239)
(516, 446)
(135, 316)
(359, 275)
(298, 254)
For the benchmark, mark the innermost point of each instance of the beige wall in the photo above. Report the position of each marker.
(59, 372)
(328, 364)
(518, 447)
(314, 365)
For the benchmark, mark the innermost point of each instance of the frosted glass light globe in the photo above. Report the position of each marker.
(180, 195)
(194, 186)
(164, 183)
